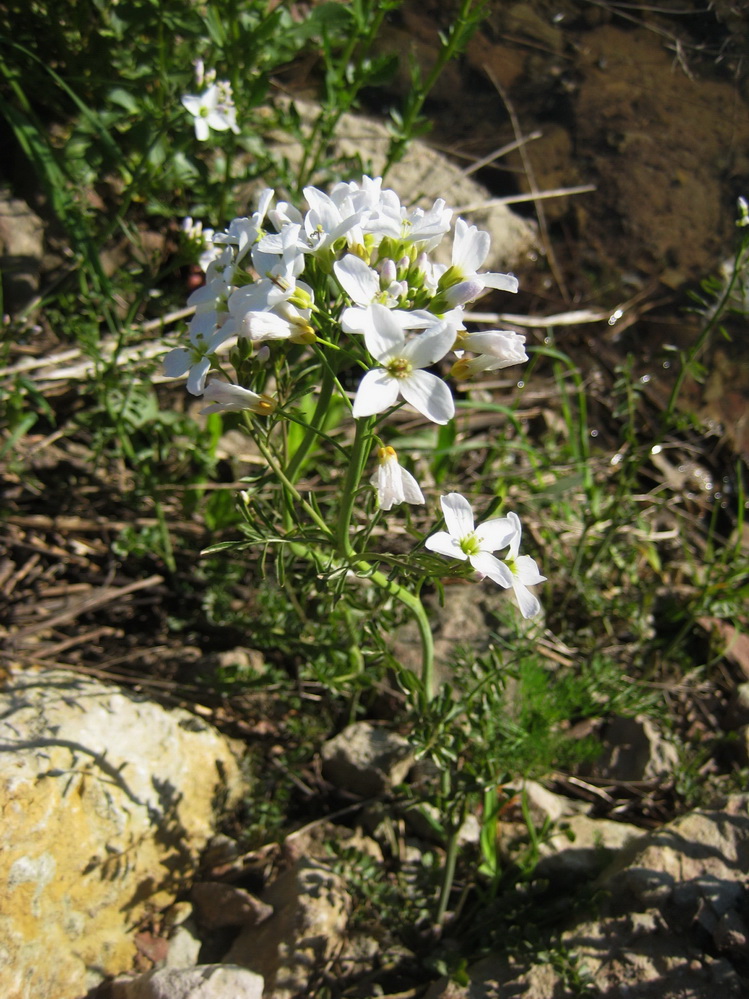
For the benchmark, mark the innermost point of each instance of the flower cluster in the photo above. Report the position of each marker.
(214, 108)
(381, 288)
(354, 279)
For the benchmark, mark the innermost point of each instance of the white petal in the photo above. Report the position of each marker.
(495, 534)
(431, 346)
(385, 333)
(358, 280)
(395, 485)
(192, 102)
(527, 572)
(505, 345)
(377, 392)
(219, 121)
(491, 566)
(177, 362)
(264, 326)
(517, 534)
(528, 604)
(411, 491)
(357, 320)
(196, 377)
(458, 515)
(502, 282)
(445, 544)
(470, 247)
(429, 395)
(201, 129)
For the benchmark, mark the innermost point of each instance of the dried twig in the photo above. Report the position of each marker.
(102, 596)
(528, 166)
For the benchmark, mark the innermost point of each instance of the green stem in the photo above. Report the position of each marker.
(314, 427)
(715, 318)
(357, 459)
(289, 486)
(359, 454)
(416, 607)
(448, 871)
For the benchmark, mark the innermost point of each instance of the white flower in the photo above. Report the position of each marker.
(195, 360)
(213, 109)
(465, 542)
(461, 282)
(524, 572)
(743, 204)
(263, 311)
(245, 232)
(227, 398)
(476, 545)
(424, 229)
(401, 367)
(393, 483)
(495, 348)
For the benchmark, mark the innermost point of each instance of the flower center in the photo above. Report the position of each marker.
(469, 545)
(399, 367)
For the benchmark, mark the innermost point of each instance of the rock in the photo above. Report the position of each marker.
(21, 250)
(630, 146)
(583, 846)
(220, 905)
(366, 759)
(424, 821)
(422, 176)
(311, 909)
(661, 901)
(635, 750)
(184, 946)
(704, 852)
(731, 934)
(544, 804)
(468, 616)
(207, 981)
(107, 801)
(221, 851)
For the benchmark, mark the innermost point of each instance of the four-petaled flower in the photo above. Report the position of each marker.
(213, 109)
(392, 482)
(476, 545)
(401, 369)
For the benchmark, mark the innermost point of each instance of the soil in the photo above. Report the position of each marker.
(649, 107)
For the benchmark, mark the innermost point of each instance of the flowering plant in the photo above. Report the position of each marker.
(348, 304)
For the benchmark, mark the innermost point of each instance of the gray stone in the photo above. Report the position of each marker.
(704, 849)
(218, 905)
(635, 750)
(662, 898)
(366, 759)
(184, 946)
(207, 981)
(422, 176)
(21, 250)
(582, 846)
(311, 909)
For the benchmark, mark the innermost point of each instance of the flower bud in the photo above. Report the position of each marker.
(388, 273)
(464, 291)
